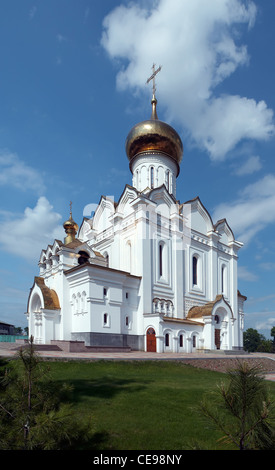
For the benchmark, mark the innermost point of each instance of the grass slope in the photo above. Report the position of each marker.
(141, 405)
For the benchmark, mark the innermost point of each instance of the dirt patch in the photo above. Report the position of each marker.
(224, 364)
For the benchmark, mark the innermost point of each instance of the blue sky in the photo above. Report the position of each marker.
(72, 84)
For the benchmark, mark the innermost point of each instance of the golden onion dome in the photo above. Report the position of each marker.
(154, 136)
(70, 223)
(70, 227)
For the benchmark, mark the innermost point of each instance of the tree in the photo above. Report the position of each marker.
(252, 339)
(242, 409)
(265, 346)
(272, 333)
(18, 330)
(34, 413)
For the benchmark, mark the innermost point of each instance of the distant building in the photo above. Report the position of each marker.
(6, 329)
(146, 271)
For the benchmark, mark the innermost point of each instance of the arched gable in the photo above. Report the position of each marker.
(103, 212)
(85, 229)
(165, 203)
(161, 194)
(124, 206)
(42, 258)
(56, 247)
(225, 232)
(49, 251)
(48, 297)
(197, 216)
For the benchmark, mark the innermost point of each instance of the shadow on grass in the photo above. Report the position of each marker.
(103, 387)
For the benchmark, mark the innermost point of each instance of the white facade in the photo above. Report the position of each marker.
(146, 272)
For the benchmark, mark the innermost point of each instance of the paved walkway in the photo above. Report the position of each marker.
(10, 349)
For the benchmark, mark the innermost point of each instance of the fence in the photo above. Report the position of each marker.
(11, 338)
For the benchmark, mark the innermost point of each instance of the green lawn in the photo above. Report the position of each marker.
(141, 405)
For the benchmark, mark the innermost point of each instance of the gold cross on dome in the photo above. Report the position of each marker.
(153, 77)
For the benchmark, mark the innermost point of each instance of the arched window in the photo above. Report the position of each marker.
(195, 270)
(83, 257)
(137, 181)
(224, 280)
(83, 301)
(36, 304)
(128, 256)
(78, 303)
(167, 338)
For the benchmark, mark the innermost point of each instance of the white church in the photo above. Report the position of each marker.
(145, 272)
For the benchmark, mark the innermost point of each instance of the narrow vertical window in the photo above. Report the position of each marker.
(195, 270)
(105, 319)
(181, 341)
(160, 259)
(168, 181)
(223, 279)
(128, 256)
(167, 339)
(152, 176)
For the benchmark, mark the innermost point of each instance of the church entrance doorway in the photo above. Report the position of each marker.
(151, 340)
(218, 338)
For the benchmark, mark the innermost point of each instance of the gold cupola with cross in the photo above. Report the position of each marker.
(153, 137)
(70, 227)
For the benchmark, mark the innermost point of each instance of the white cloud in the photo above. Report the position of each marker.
(198, 45)
(26, 235)
(245, 275)
(32, 12)
(61, 38)
(86, 14)
(17, 174)
(268, 266)
(251, 165)
(252, 211)
(260, 300)
(267, 323)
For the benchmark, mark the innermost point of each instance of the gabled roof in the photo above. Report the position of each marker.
(200, 311)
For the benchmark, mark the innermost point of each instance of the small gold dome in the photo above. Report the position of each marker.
(154, 136)
(70, 223)
(70, 227)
